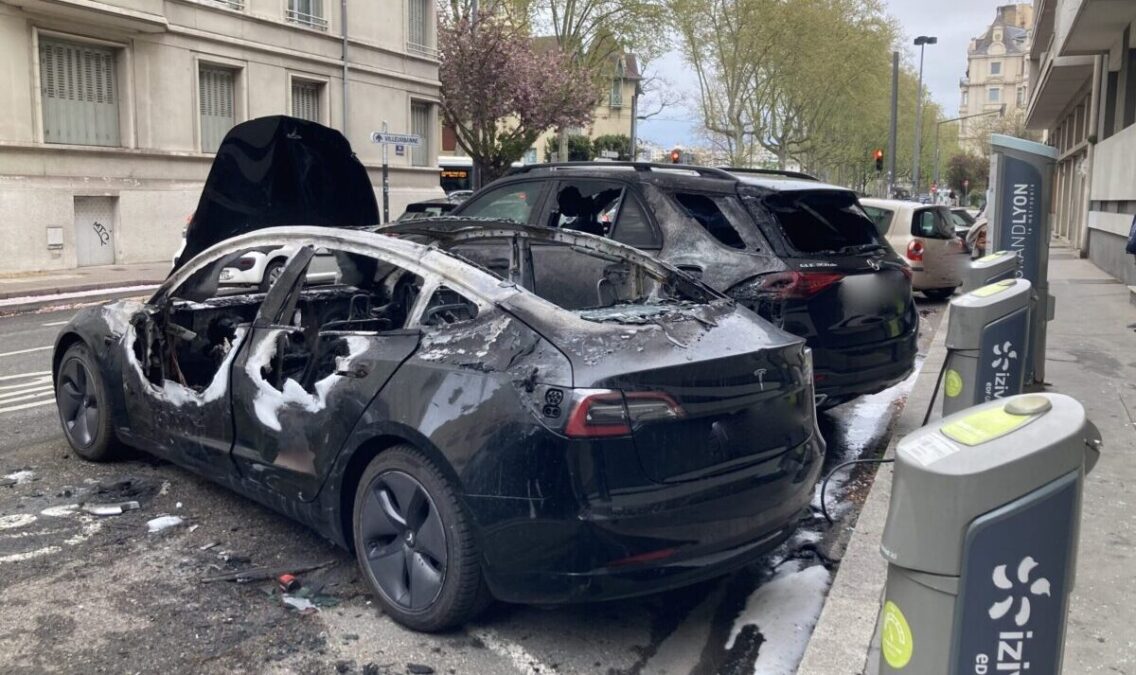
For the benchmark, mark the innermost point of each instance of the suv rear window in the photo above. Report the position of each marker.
(823, 221)
(708, 212)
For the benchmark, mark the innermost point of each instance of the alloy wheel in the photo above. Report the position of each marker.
(404, 540)
(78, 404)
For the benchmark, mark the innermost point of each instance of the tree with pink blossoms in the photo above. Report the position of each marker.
(499, 93)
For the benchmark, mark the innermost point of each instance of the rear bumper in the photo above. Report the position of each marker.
(648, 540)
(842, 374)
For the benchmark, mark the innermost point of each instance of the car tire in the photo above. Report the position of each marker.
(84, 406)
(271, 273)
(415, 542)
(939, 293)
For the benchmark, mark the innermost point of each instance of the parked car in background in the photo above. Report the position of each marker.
(478, 410)
(962, 220)
(429, 208)
(925, 236)
(797, 251)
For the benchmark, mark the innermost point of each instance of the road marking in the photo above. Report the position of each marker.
(57, 323)
(522, 659)
(27, 351)
(25, 395)
(16, 377)
(35, 382)
(25, 406)
(43, 299)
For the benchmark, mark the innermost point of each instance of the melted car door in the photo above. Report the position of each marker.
(178, 356)
(310, 371)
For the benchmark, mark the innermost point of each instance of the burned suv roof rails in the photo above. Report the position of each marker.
(769, 172)
(704, 171)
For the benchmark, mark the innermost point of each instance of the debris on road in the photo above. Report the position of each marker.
(288, 583)
(303, 605)
(419, 669)
(263, 573)
(208, 546)
(20, 477)
(163, 523)
(111, 509)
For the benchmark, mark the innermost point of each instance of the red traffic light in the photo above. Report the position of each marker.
(878, 155)
(676, 156)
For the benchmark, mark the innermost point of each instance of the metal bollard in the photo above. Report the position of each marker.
(990, 268)
(986, 338)
(981, 538)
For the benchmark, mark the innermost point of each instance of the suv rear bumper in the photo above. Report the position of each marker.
(842, 374)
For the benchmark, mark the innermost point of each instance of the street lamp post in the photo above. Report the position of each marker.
(920, 42)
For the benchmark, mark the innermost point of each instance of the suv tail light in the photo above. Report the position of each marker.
(915, 250)
(795, 285)
(611, 413)
(245, 263)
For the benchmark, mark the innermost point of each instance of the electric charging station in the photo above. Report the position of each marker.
(981, 538)
(1021, 175)
(990, 268)
(986, 339)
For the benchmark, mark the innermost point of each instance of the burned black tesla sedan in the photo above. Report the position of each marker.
(531, 415)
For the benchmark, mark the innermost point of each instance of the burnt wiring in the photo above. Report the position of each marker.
(838, 467)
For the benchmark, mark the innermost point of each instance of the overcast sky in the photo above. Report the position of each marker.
(954, 22)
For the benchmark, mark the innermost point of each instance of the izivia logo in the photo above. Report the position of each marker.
(1011, 643)
(1003, 355)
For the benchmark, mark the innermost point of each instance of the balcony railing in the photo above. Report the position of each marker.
(229, 4)
(421, 50)
(304, 19)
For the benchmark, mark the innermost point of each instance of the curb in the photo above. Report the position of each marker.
(842, 641)
(75, 296)
(96, 286)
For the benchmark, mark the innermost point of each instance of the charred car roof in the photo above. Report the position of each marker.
(280, 170)
(672, 174)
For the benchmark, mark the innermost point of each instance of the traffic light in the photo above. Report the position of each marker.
(878, 155)
(676, 156)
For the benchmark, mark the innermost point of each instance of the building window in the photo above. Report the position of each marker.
(79, 90)
(995, 67)
(994, 95)
(418, 30)
(231, 4)
(420, 126)
(965, 98)
(1021, 97)
(306, 100)
(215, 100)
(306, 13)
(617, 93)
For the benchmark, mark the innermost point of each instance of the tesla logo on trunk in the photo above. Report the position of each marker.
(760, 375)
(874, 264)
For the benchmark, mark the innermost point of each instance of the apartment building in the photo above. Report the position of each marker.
(997, 73)
(1083, 69)
(111, 111)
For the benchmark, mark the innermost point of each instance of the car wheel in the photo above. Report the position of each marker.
(415, 543)
(271, 274)
(84, 407)
(939, 293)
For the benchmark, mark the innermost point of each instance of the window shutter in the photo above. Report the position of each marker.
(215, 101)
(420, 126)
(306, 100)
(78, 93)
(417, 32)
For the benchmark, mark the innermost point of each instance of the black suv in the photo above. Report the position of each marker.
(801, 253)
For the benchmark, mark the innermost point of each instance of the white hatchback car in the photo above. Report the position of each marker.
(925, 236)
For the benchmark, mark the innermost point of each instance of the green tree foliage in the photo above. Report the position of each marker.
(620, 143)
(967, 167)
(579, 149)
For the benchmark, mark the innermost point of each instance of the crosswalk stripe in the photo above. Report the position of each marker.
(30, 384)
(27, 351)
(21, 395)
(25, 406)
(16, 377)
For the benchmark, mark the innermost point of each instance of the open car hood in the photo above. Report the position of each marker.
(280, 171)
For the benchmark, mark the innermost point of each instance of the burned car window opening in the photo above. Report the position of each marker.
(823, 221)
(707, 211)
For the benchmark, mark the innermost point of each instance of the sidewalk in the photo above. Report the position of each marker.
(1091, 357)
(30, 291)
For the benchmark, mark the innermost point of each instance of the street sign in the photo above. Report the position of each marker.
(609, 154)
(384, 138)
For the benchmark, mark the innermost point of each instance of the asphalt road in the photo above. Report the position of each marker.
(84, 593)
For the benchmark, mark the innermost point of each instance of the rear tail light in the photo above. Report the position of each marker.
(915, 250)
(245, 264)
(611, 413)
(795, 285)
